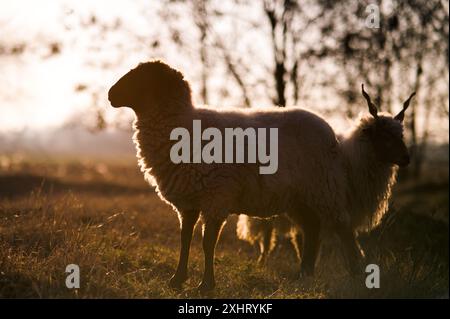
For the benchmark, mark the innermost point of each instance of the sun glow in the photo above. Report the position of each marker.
(38, 89)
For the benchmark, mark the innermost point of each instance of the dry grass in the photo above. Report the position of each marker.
(125, 240)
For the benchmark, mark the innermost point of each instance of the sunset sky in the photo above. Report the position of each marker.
(38, 88)
(37, 91)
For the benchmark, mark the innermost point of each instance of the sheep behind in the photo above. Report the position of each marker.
(265, 234)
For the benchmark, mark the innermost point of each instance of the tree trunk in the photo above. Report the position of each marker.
(417, 158)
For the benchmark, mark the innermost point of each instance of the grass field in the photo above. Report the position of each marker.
(104, 218)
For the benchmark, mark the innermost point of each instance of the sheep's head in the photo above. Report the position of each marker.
(386, 133)
(149, 84)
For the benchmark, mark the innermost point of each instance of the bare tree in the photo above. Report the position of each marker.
(408, 50)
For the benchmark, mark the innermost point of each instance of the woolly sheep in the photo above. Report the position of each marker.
(265, 232)
(321, 183)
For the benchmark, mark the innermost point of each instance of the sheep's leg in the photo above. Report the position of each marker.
(265, 241)
(297, 242)
(211, 232)
(352, 251)
(311, 244)
(310, 241)
(187, 222)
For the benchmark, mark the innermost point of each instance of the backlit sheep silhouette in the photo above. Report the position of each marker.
(321, 183)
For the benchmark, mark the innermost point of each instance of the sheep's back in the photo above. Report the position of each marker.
(308, 157)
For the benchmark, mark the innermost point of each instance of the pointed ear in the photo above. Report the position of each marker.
(401, 115)
(372, 108)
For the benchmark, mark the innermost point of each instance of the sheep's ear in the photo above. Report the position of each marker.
(372, 108)
(401, 115)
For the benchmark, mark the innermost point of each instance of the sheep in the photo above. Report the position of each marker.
(265, 232)
(321, 183)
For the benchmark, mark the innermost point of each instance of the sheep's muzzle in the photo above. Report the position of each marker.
(114, 97)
